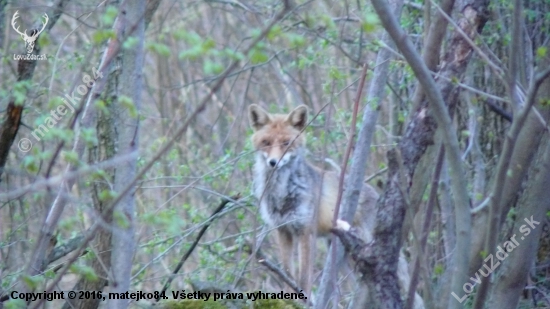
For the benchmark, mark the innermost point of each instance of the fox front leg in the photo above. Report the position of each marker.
(286, 246)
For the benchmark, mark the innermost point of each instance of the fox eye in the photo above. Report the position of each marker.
(266, 143)
(286, 142)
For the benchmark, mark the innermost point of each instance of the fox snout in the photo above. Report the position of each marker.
(277, 157)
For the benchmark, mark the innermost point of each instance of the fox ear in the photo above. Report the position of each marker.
(258, 117)
(298, 117)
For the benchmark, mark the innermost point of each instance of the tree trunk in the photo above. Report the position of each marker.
(377, 261)
(534, 206)
(101, 246)
(126, 120)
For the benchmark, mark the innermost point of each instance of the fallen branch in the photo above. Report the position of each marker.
(262, 259)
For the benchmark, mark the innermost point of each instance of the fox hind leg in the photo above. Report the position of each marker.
(305, 269)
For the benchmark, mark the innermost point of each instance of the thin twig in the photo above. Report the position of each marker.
(168, 145)
(425, 229)
(194, 244)
(345, 163)
(350, 143)
(495, 207)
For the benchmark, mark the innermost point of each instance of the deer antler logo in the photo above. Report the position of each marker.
(29, 39)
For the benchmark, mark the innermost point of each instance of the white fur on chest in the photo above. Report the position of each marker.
(284, 193)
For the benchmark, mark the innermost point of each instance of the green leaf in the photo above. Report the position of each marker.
(63, 134)
(192, 38)
(335, 74)
(130, 43)
(233, 54)
(296, 40)
(128, 103)
(120, 219)
(44, 39)
(274, 32)
(86, 271)
(30, 164)
(370, 22)
(102, 35)
(49, 274)
(257, 56)
(191, 54)
(89, 273)
(98, 175)
(179, 34)
(102, 107)
(212, 68)
(327, 22)
(479, 197)
(438, 269)
(483, 254)
(106, 195)
(255, 32)
(55, 102)
(89, 136)
(542, 51)
(70, 156)
(159, 49)
(207, 45)
(511, 214)
(20, 91)
(109, 17)
(32, 282)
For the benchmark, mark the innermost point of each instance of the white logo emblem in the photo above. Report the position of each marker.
(29, 39)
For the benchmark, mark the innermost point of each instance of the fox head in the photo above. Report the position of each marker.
(277, 136)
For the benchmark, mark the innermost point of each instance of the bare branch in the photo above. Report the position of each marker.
(357, 170)
(495, 203)
(168, 145)
(196, 241)
(450, 141)
(499, 72)
(513, 72)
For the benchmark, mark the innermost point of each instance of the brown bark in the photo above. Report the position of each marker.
(377, 261)
(25, 71)
(453, 67)
(12, 119)
(101, 246)
(421, 129)
(434, 39)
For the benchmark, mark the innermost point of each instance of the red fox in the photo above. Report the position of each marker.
(290, 190)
